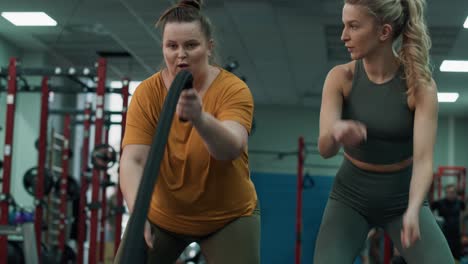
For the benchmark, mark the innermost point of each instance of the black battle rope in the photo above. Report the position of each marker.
(133, 250)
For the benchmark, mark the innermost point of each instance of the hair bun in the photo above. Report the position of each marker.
(194, 3)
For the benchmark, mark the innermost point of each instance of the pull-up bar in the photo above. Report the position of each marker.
(62, 89)
(53, 71)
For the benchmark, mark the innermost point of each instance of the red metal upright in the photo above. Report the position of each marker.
(388, 249)
(95, 181)
(7, 154)
(42, 150)
(104, 180)
(300, 172)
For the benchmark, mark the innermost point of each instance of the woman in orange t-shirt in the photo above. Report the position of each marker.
(204, 192)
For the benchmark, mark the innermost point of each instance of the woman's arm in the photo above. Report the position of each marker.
(224, 136)
(225, 140)
(330, 112)
(132, 163)
(425, 129)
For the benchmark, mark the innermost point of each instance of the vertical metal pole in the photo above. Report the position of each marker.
(98, 125)
(7, 154)
(300, 172)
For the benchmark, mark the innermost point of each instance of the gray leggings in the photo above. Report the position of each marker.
(237, 242)
(343, 232)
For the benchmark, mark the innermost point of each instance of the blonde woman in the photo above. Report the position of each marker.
(382, 109)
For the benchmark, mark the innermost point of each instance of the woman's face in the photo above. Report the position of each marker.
(186, 47)
(360, 33)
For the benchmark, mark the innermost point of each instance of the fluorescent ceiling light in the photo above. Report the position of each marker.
(29, 18)
(466, 23)
(447, 97)
(454, 66)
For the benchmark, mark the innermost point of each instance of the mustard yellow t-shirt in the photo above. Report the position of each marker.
(195, 194)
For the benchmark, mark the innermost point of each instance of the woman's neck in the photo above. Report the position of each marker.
(381, 66)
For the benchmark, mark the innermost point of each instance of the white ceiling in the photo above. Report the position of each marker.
(284, 48)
